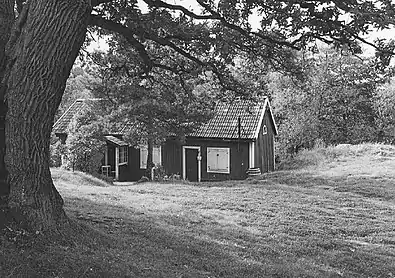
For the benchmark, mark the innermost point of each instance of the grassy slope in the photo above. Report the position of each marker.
(334, 217)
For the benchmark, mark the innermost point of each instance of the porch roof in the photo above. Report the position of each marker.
(116, 141)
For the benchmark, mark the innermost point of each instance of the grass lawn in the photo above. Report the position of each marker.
(331, 213)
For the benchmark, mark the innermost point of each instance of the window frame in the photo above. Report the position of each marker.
(219, 171)
(144, 149)
(143, 162)
(123, 155)
(264, 130)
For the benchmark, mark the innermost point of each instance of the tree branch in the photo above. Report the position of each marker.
(129, 35)
(215, 16)
(242, 31)
(126, 33)
(170, 44)
(372, 44)
(95, 3)
(161, 4)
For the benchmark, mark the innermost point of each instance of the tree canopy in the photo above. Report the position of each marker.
(333, 104)
(212, 37)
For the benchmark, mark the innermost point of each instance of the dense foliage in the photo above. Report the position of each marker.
(84, 145)
(339, 101)
(80, 84)
(384, 105)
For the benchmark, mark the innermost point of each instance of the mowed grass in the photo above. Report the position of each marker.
(330, 214)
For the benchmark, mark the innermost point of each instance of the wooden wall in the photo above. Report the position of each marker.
(131, 171)
(172, 157)
(264, 146)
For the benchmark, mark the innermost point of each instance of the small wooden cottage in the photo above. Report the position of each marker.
(125, 162)
(237, 140)
(120, 160)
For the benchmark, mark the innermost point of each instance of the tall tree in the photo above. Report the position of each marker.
(47, 35)
(43, 45)
(156, 107)
(334, 103)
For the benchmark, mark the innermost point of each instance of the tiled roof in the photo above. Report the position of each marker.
(63, 122)
(224, 123)
(116, 141)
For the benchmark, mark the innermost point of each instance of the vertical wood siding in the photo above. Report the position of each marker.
(172, 158)
(264, 150)
(131, 171)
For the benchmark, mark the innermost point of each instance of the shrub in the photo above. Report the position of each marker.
(57, 150)
(85, 144)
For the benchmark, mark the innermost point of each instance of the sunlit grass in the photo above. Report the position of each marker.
(75, 178)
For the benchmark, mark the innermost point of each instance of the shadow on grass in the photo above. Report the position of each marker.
(129, 243)
(126, 243)
(148, 245)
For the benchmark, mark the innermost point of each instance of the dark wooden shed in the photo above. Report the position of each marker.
(239, 138)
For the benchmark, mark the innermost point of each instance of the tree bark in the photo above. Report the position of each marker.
(7, 18)
(43, 46)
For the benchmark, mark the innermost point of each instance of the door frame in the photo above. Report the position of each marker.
(199, 162)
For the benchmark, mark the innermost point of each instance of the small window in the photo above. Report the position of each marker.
(156, 156)
(218, 160)
(123, 155)
(264, 129)
(143, 157)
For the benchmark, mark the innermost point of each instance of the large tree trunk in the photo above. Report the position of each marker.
(7, 18)
(41, 51)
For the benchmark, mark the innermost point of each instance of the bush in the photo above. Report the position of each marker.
(85, 144)
(57, 150)
(159, 173)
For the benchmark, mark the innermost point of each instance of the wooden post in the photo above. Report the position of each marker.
(106, 156)
(238, 132)
(116, 163)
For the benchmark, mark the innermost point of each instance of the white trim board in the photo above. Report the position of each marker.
(199, 160)
(265, 105)
(251, 154)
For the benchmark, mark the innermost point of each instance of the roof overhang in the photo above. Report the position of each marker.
(220, 139)
(116, 141)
